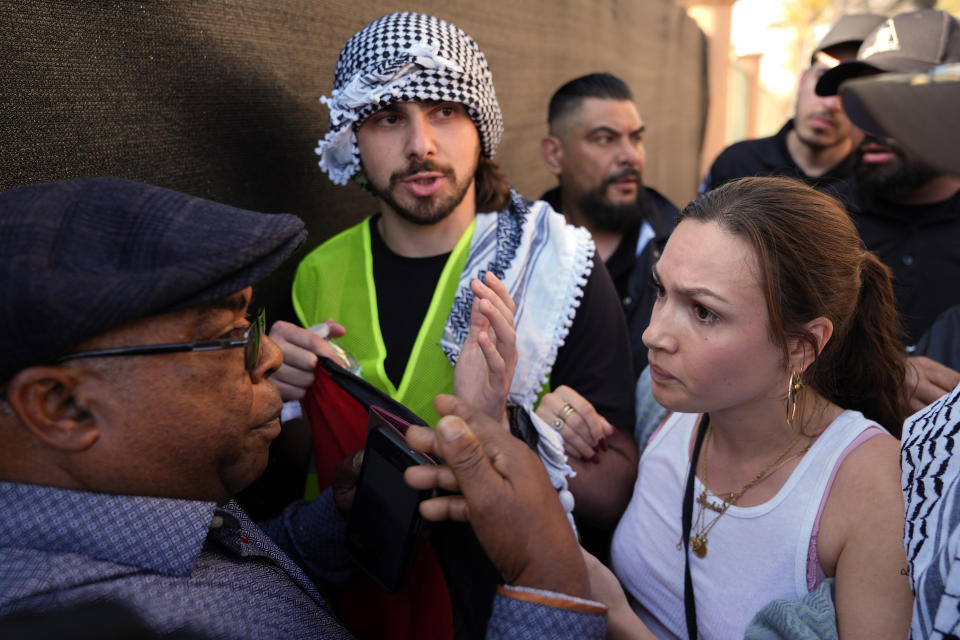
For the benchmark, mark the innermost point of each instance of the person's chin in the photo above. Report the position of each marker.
(669, 397)
(820, 139)
(621, 194)
(244, 474)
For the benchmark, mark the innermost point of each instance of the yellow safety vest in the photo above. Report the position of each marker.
(335, 280)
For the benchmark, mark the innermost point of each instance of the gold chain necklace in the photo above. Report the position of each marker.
(698, 541)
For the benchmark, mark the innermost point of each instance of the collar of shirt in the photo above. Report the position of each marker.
(780, 154)
(163, 535)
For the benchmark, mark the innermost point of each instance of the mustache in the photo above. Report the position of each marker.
(892, 145)
(869, 138)
(628, 172)
(420, 166)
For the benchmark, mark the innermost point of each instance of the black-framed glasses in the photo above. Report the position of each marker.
(251, 342)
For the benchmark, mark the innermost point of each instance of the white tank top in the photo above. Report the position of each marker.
(756, 554)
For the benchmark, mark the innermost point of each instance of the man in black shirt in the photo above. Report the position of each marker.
(814, 145)
(907, 211)
(415, 120)
(595, 148)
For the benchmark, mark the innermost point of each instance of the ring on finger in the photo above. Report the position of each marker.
(566, 410)
(558, 424)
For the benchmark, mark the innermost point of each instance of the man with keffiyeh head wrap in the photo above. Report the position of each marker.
(414, 118)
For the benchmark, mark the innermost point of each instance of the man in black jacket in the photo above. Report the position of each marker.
(907, 211)
(595, 148)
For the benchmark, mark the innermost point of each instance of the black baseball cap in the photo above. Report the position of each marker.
(80, 257)
(910, 42)
(918, 110)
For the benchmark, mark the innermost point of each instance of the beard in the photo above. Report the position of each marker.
(427, 210)
(616, 218)
(893, 179)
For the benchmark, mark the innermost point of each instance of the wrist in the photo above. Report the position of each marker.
(569, 578)
(560, 569)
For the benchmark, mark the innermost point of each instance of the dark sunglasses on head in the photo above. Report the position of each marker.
(251, 341)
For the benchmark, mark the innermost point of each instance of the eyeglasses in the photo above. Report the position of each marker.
(251, 343)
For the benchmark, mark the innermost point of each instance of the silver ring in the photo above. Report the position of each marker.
(559, 424)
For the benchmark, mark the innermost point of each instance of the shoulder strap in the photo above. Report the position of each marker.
(689, 606)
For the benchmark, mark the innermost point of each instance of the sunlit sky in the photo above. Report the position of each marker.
(751, 33)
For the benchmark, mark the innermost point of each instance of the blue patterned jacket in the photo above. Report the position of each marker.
(210, 570)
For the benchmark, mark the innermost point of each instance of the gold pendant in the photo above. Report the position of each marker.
(704, 501)
(699, 545)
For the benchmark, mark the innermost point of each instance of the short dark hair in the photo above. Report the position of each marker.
(593, 85)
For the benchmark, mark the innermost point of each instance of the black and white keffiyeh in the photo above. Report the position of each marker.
(403, 57)
(544, 263)
(930, 468)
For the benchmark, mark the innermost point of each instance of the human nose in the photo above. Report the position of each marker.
(271, 357)
(658, 334)
(832, 103)
(420, 141)
(630, 153)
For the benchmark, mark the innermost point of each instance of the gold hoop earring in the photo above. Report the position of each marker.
(793, 390)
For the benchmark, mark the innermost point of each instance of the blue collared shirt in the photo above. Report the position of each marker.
(190, 565)
(178, 563)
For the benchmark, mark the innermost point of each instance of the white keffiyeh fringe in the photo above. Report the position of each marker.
(546, 268)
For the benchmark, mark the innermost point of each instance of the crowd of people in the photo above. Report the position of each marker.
(734, 419)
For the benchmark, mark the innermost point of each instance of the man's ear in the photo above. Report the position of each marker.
(822, 330)
(552, 150)
(44, 398)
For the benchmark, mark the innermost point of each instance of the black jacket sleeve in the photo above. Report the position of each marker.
(595, 359)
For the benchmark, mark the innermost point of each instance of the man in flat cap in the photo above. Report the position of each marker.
(136, 399)
(907, 210)
(414, 118)
(815, 144)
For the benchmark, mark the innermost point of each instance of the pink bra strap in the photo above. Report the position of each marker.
(815, 574)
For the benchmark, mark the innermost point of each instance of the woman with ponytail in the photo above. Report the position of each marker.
(775, 343)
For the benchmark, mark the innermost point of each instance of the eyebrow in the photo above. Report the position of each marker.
(236, 302)
(603, 129)
(606, 129)
(691, 292)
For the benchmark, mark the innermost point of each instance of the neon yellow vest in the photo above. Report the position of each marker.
(335, 280)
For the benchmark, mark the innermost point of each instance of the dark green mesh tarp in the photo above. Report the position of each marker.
(219, 99)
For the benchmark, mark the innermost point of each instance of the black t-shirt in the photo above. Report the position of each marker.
(404, 287)
(921, 245)
(771, 157)
(592, 360)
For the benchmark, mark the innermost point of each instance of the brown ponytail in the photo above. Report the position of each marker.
(865, 371)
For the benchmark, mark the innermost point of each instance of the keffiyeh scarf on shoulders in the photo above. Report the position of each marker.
(544, 263)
